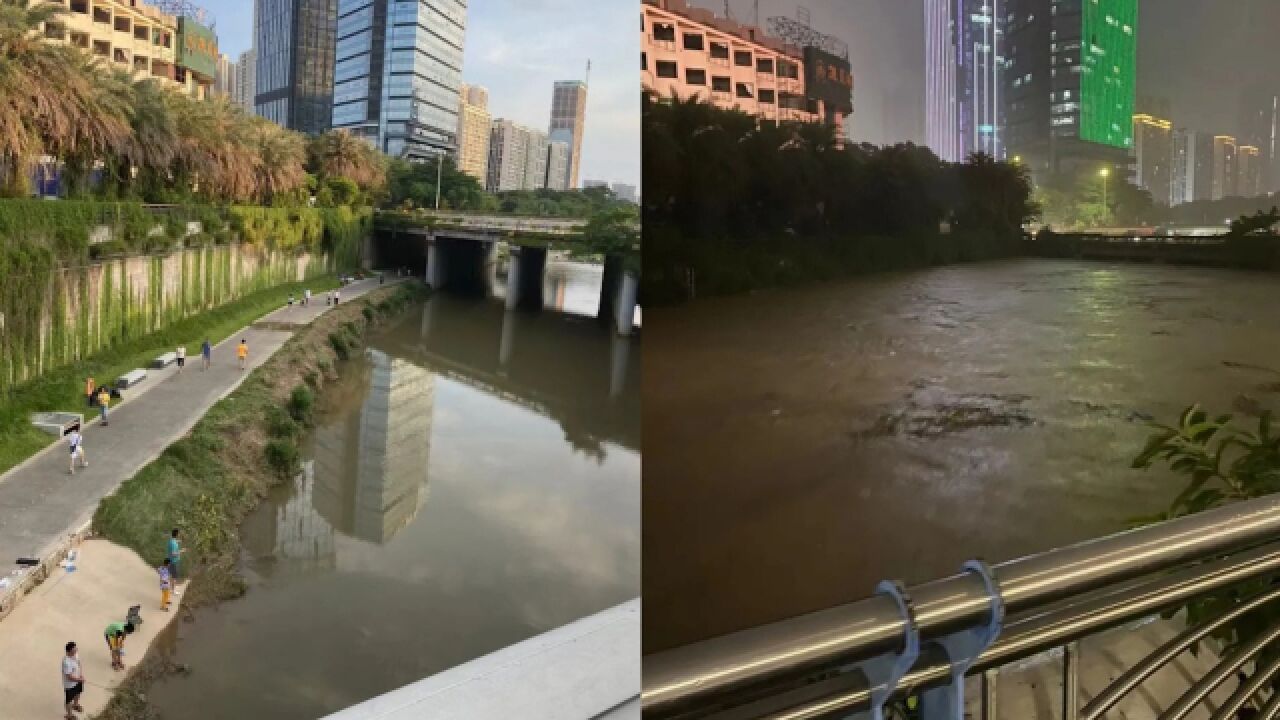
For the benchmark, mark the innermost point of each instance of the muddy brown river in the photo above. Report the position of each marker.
(473, 481)
(801, 445)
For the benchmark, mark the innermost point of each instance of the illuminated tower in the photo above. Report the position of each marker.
(963, 73)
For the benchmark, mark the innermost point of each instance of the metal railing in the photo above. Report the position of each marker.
(924, 641)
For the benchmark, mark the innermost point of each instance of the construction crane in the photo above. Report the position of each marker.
(184, 8)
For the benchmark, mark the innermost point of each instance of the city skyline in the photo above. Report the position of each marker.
(517, 50)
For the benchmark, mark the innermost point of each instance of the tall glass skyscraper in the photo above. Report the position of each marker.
(963, 68)
(398, 73)
(294, 42)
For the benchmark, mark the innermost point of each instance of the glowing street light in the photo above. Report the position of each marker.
(1104, 173)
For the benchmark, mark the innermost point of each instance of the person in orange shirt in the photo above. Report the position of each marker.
(242, 352)
(89, 387)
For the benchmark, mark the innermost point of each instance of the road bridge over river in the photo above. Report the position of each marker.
(458, 252)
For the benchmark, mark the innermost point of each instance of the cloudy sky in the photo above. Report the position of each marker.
(1199, 54)
(518, 48)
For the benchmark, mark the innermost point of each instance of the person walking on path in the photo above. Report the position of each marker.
(182, 357)
(206, 353)
(306, 296)
(337, 296)
(72, 681)
(104, 402)
(166, 584)
(242, 352)
(89, 386)
(75, 442)
(173, 554)
(115, 635)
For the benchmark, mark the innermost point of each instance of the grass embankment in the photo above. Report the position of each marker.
(207, 482)
(62, 390)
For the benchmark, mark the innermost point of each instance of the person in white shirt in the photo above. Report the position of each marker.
(306, 296)
(182, 358)
(72, 682)
(75, 443)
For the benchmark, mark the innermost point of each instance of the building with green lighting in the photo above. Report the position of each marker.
(1069, 84)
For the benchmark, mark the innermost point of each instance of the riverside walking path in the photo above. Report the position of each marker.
(41, 504)
(44, 510)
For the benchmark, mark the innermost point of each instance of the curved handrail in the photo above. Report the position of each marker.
(1247, 690)
(1220, 673)
(866, 628)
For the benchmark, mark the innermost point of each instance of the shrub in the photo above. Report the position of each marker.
(339, 343)
(282, 456)
(280, 424)
(301, 403)
(367, 312)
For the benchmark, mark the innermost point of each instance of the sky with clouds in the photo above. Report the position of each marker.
(518, 49)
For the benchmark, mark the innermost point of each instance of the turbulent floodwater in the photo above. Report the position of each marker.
(471, 483)
(802, 445)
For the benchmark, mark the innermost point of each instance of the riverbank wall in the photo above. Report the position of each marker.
(83, 277)
(207, 482)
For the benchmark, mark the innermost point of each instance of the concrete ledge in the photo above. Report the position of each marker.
(57, 424)
(165, 360)
(23, 581)
(131, 378)
(587, 669)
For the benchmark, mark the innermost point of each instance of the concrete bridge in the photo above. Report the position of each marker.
(458, 252)
(1166, 248)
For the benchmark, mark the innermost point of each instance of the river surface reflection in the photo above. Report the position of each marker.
(830, 437)
(472, 482)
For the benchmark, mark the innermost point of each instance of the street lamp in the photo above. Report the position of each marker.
(1105, 172)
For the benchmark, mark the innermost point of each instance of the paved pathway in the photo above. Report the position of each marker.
(108, 580)
(40, 503)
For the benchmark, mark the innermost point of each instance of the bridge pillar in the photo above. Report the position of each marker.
(524, 277)
(625, 305)
(368, 253)
(435, 263)
(613, 269)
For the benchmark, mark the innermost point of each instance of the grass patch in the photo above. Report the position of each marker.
(62, 389)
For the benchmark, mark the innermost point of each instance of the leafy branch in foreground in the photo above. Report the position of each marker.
(1222, 464)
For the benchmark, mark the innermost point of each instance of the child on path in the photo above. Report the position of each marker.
(104, 401)
(115, 635)
(166, 585)
(206, 352)
(337, 296)
(75, 442)
(242, 352)
(306, 296)
(173, 553)
(72, 681)
(182, 358)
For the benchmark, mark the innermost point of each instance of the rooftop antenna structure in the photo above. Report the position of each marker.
(184, 8)
(800, 33)
(588, 80)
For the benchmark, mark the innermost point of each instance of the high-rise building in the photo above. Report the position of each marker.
(474, 125)
(568, 116)
(1225, 168)
(1153, 151)
(690, 52)
(1260, 127)
(224, 81)
(1248, 171)
(1192, 166)
(1069, 83)
(588, 184)
(246, 85)
(535, 160)
(140, 39)
(295, 44)
(399, 71)
(626, 192)
(962, 77)
(517, 156)
(557, 165)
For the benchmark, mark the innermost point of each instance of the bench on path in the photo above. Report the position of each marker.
(164, 360)
(131, 378)
(57, 423)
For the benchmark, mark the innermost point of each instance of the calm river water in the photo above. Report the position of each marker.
(801, 445)
(474, 481)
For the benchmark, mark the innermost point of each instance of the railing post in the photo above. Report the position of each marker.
(1070, 681)
(990, 694)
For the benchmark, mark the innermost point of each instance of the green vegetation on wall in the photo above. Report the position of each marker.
(80, 277)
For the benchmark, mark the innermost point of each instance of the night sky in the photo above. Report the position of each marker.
(1200, 55)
